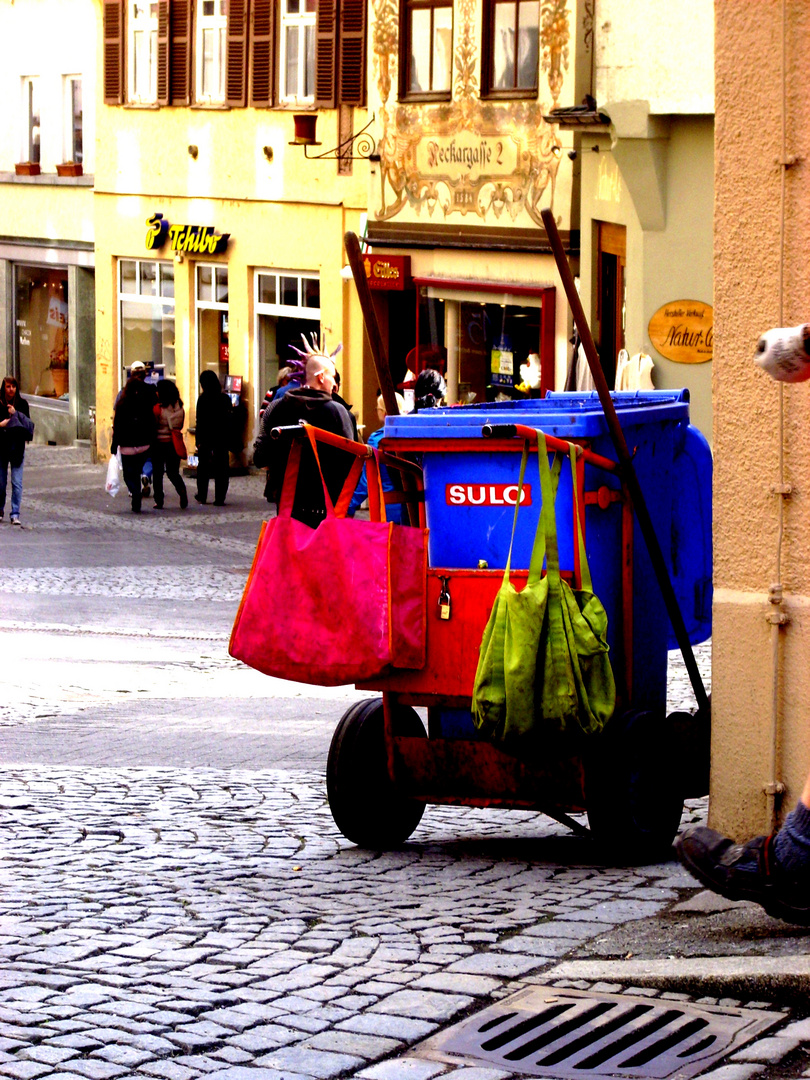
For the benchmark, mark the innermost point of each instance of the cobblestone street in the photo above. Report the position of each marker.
(175, 899)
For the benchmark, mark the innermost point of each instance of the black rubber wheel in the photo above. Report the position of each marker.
(633, 790)
(366, 806)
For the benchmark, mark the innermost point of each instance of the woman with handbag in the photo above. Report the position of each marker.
(169, 449)
(16, 429)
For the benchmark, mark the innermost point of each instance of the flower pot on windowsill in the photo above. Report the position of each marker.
(69, 168)
(27, 168)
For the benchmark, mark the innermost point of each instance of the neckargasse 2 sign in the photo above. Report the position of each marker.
(184, 239)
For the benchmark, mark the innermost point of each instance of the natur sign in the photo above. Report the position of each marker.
(683, 331)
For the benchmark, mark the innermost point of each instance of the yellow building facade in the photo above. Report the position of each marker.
(190, 146)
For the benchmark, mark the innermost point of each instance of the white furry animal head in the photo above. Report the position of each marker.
(785, 353)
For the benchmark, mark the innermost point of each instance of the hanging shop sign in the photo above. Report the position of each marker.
(388, 271)
(184, 239)
(683, 331)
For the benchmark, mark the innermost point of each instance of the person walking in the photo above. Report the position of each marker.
(315, 404)
(170, 416)
(213, 435)
(16, 429)
(134, 428)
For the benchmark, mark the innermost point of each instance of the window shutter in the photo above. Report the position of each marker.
(352, 68)
(326, 54)
(113, 52)
(236, 66)
(262, 19)
(179, 52)
(163, 52)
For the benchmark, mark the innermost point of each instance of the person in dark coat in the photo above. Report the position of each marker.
(14, 434)
(315, 404)
(213, 434)
(134, 428)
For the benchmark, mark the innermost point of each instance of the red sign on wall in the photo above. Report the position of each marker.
(487, 495)
(388, 271)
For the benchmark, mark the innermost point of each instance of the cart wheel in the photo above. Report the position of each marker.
(366, 806)
(633, 794)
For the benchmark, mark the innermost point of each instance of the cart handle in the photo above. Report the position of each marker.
(529, 434)
(301, 429)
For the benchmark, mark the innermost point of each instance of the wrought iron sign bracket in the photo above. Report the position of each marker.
(358, 147)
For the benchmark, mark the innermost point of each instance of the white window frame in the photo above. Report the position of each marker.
(30, 96)
(142, 19)
(287, 311)
(217, 25)
(140, 297)
(206, 305)
(68, 129)
(303, 20)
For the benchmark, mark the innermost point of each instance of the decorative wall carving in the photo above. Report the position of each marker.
(467, 156)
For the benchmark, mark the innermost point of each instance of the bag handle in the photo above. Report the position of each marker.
(340, 508)
(585, 581)
(539, 546)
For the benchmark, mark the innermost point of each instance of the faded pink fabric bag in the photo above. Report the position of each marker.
(341, 603)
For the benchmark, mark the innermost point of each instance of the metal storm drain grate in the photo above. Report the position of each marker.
(572, 1033)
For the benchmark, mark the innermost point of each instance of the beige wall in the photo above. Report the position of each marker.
(748, 256)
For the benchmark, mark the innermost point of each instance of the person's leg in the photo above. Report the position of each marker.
(222, 472)
(3, 481)
(173, 472)
(203, 475)
(773, 871)
(158, 459)
(16, 490)
(131, 467)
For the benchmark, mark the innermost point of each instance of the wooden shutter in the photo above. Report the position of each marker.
(262, 45)
(326, 28)
(179, 52)
(237, 48)
(163, 52)
(113, 52)
(352, 66)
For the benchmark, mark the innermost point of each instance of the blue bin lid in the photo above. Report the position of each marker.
(566, 415)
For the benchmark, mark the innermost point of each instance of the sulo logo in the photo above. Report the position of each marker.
(487, 495)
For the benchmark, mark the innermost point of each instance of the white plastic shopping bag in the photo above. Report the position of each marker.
(113, 482)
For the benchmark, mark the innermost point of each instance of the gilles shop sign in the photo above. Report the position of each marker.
(184, 239)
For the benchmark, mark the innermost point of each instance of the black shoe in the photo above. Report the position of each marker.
(136, 506)
(219, 502)
(200, 500)
(158, 505)
(744, 872)
(183, 501)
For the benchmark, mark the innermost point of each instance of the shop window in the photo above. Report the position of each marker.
(511, 48)
(146, 317)
(212, 320)
(426, 49)
(142, 42)
(41, 320)
(287, 305)
(212, 18)
(30, 119)
(74, 116)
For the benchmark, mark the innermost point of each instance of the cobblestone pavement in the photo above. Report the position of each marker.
(175, 900)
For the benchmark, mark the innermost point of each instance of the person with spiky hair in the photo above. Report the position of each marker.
(313, 402)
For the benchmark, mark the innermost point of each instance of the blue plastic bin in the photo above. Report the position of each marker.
(469, 512)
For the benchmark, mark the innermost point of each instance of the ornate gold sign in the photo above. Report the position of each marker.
(683, 331)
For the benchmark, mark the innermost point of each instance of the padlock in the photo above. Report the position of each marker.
(444, 600)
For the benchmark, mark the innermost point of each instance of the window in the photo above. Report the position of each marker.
(212, 18)
(30, 119)
(287, 305)
(146, 317)
(297, 50)
(41, 321)
(73, 119)
(212, 320)
(511, 48)
(427, 49)
(142, 22)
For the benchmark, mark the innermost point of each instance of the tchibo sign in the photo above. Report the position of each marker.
(487, 495)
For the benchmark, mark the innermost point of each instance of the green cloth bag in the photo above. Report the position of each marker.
(576, 687)
(543, 661)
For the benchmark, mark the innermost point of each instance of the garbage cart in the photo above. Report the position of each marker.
(384, 767)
